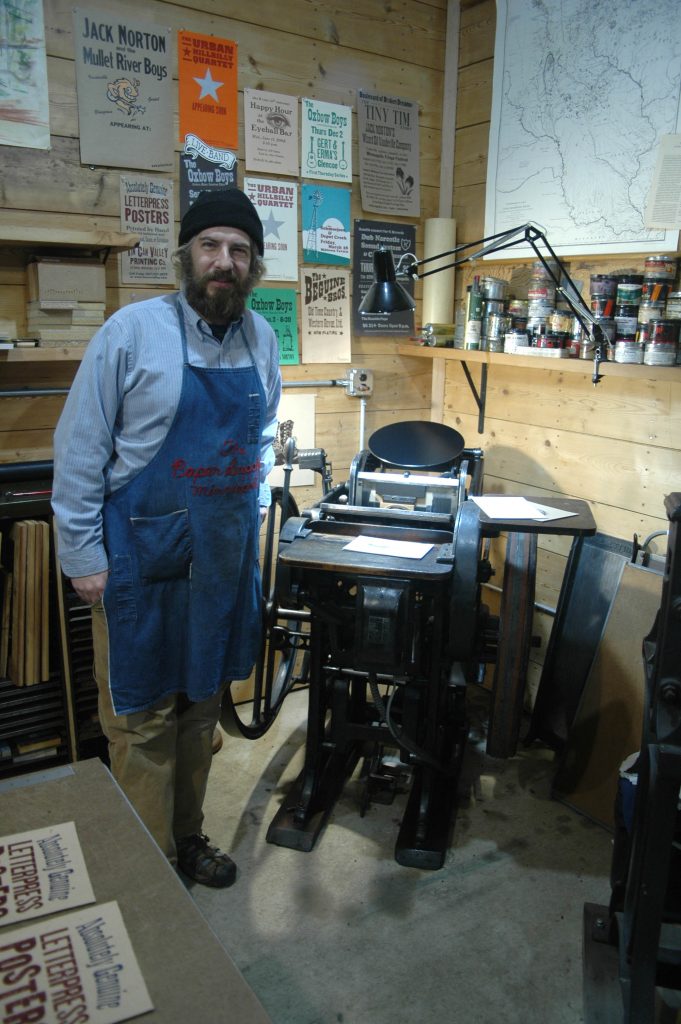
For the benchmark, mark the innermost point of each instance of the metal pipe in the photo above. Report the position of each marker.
(314, 383)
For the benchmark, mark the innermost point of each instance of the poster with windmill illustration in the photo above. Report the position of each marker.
(326, 224)
(388, 130)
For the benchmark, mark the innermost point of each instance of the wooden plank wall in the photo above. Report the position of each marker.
(617, 445)
(297, 48)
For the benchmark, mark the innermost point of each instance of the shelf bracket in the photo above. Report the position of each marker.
(481, 397)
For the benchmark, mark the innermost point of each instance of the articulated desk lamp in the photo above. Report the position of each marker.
(386, 294)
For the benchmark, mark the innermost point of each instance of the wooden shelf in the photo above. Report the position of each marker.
(542, 363)
(56, 236)
(583, 366)
(71, 354)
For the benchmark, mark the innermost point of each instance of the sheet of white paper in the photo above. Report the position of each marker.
(547, 512)
(381, 546)
(502, 507)
(498, 506)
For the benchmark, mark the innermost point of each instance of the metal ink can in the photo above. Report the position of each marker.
(608, 328)
(541, 291)
(602, 306)
(550, 340)
(603, 286)
(629, 287)
(625, 326)
(560, 323)
(661, 266)
(673, 308)
(539, 271)
(517, 307)
(662, 344)
(655, 289)
(664, 332)
(650, 311)
(493, 287)
(515, 341)
(628, 352)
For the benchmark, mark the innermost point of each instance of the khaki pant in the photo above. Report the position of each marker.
(160, 757)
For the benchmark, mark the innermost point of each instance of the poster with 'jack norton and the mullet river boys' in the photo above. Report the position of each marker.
(123, 83)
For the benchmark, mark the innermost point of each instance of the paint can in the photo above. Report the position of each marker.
(602, 306)
(608, 327)
(603, 286)
(650, 311)
(516, 341)
(540, 272)
(543, 292)
(628, 352)
(655, 289)
(629, 287)
(662, 344)
(660, 267)
(673, 307)
(626, 323)
(438, 335)
(494, 327)
(560, 322)
(493, 287)
(517, 307)
(550, 340)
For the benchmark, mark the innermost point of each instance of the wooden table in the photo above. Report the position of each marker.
(189, 974)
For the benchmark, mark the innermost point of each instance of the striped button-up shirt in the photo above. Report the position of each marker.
(122, 403)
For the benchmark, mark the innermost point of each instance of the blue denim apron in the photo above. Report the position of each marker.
(183, 598)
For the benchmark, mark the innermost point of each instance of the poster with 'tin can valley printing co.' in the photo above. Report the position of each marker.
(147, 210)
(124, 84)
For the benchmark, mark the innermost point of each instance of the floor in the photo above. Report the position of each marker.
(345, 935)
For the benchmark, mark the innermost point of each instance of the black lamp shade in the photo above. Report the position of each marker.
(385, 294)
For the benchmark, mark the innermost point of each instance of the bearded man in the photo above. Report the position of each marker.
(160, 462)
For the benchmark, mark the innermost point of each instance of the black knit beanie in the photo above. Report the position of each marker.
(225, 207)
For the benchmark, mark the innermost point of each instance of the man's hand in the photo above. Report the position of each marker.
(90, 588)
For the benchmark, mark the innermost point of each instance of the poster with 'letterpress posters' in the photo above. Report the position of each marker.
(123, 82)
(388, 130)
(147, 210)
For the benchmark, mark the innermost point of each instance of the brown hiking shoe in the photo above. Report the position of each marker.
(197, 859)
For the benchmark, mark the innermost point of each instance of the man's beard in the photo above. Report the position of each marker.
(222, 306)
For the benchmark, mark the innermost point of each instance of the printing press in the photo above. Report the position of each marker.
(375, 602)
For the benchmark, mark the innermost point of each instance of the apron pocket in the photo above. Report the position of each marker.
(163, 546)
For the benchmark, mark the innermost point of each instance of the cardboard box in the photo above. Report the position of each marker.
(67, 282)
